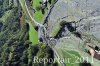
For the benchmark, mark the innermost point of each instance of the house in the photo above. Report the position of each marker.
(94, 52)
(44, 3)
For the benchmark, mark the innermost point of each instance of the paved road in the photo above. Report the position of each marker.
(35, 23)
(57, 56)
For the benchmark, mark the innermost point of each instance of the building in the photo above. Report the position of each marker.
(44, 3)
(94, 53)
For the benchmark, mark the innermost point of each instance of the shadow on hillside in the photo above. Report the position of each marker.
(85, 63)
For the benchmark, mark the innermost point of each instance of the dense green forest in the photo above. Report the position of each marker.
(15, 47)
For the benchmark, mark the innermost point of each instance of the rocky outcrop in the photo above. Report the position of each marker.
(85, 12)
(84, 15)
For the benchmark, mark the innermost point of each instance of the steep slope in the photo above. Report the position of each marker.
(15, 46)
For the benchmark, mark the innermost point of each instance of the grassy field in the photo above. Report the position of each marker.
(33, 35)
(67, 48)
(73, 55)
(36, 3)
(55, 31)
(38, 14)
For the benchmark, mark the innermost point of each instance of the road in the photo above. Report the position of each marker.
(32, 20)
(57, 56)
(35, 23)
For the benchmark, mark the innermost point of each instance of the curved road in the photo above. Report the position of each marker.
(35, 23)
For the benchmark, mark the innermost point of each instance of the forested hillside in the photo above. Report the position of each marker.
(15, 47)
